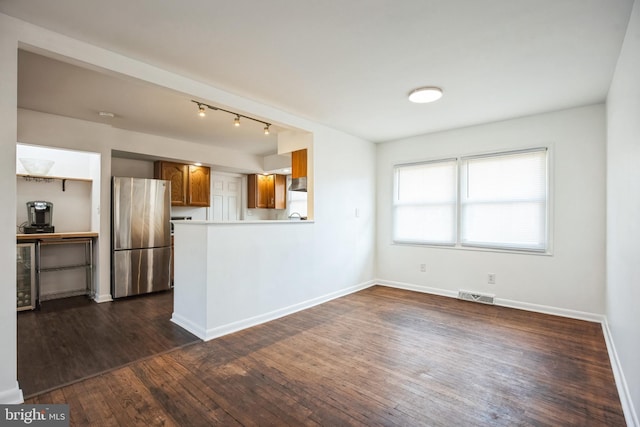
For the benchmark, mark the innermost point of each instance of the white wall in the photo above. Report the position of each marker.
(344, 172)
(67, 163)
(71, 208)
(233, 275)
(573, 278)
(623, 210)
(9, 389)
(131, 167)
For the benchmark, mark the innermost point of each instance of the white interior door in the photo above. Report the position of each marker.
(226, 196)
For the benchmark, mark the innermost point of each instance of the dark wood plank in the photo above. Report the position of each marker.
(378, 357)
(75, 338)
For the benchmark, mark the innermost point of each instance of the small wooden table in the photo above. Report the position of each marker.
(85, 238)
(55, 236)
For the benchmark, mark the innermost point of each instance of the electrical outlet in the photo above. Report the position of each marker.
(423, 268)
(491, 278)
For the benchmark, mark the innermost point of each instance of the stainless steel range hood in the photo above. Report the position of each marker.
(298, 184)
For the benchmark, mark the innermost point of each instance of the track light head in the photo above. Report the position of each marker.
(236, 121)
(266, 129)
(201, 110)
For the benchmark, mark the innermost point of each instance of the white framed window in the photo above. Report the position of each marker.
(296, 201)
(497, 201)
(503, 200)
(425, 203)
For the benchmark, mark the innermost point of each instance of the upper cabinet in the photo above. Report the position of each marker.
(176, 173)
(267, 191)
(299, 164)
(299, 170)
(190, 185)
(199, 186)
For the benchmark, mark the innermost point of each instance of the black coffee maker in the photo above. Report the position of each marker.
(39, 217)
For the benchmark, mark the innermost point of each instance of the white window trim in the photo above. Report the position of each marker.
(470, 247)
(456, 206)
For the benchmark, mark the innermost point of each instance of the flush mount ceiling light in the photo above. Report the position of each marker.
(202, 107)
(423, 95)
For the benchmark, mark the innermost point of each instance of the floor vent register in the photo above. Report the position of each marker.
(476, 297)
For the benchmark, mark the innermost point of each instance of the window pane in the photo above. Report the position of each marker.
(425, 203)
(519, 176)
(296, 201)
(425, 224)
(508, 225)
(427, 183)
(504, 200)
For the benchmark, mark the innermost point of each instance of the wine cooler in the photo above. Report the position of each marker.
(26, 276)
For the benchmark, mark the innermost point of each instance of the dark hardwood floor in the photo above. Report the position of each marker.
(378, 357)
(74, 338)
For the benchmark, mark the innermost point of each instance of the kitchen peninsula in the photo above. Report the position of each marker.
(233, 275)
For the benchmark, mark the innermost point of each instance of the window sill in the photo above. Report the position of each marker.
(475, 249)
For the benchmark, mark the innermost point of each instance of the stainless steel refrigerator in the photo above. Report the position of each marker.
(141, 236)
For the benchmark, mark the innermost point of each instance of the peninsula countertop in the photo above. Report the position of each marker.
(243, 222)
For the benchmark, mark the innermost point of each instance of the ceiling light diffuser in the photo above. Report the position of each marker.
(425, 94)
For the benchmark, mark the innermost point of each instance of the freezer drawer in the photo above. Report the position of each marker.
(140, 271)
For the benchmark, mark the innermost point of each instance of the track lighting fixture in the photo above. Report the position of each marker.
(202, 107)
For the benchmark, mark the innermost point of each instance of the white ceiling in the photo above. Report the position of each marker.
(51, 86)
(347, 64)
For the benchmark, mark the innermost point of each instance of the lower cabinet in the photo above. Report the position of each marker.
(267, 191)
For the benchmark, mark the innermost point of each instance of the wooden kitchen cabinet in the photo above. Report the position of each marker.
(190, 185)
(267, 191)
(199, 186)
(299, 164)
(176, 173)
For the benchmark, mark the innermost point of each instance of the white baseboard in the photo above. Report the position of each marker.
(285, 311)
(12, 396)
(630, 415)
(189, 326)
(573, 314)
(100, 298)
(545, 309)
(417, 288)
